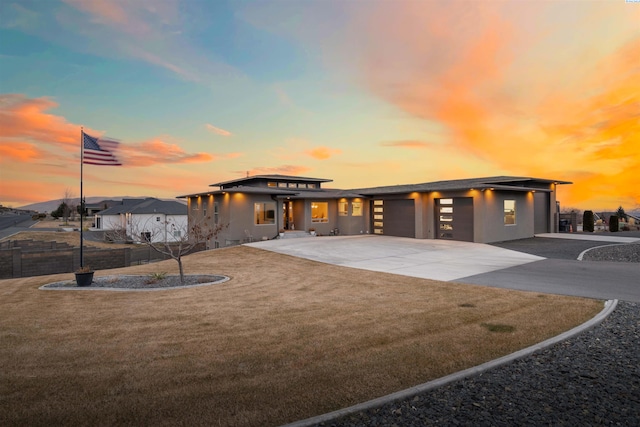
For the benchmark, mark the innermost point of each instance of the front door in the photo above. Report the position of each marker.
(454, 218)
(287, 215)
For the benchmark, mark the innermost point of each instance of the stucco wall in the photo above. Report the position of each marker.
(492, 217)
(350, 224)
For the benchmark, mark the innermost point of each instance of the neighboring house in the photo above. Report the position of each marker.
(633, 220)
(151, 219)
(480, 210)
(94, 208)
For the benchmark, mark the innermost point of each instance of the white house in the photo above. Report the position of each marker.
(146, 219)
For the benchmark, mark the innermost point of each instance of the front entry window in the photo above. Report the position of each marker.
(264, 213)
(319, 212)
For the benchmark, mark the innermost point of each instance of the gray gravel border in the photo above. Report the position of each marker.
(133, 283)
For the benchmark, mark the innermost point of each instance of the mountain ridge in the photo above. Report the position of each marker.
(51, 205)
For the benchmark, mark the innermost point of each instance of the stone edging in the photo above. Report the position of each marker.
(598, 247)
(104, 288)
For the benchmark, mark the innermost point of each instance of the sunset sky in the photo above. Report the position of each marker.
(365, 93)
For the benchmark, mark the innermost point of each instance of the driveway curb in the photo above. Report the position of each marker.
(609, 306)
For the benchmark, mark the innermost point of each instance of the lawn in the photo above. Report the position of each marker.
(284, 339)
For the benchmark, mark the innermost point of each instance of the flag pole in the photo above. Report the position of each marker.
(81, 196)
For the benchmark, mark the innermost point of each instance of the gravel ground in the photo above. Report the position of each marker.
(620, 253)
(139, 282)
(565, 248)
(592, 379)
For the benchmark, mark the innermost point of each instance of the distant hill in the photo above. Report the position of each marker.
(52, 205)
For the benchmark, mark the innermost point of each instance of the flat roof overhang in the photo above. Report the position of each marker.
(241, 189)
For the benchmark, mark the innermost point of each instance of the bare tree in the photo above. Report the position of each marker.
(168, 237)
(570, 209)
(68, 205)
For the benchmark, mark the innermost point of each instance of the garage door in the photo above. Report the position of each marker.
(454, 218)
(394, 217)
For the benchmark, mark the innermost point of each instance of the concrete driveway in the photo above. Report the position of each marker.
(429, 259)
(472, 263)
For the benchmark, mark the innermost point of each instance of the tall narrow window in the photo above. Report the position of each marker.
(356, 209)
(264, 213)
(216, 213)
(343, 208)
(509, 212)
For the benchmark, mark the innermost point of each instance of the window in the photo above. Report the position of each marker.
(216, 213)
(157, 219)
(509, 212)
(264, 213)
(177, 233)
(343, 208)
(271, 184)
(356, 209)
(320, 212)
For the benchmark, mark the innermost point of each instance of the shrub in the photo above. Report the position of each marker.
(155, 278)
(587, 221)
(613, 223)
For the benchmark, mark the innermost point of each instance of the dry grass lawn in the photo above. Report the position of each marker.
(284, 340)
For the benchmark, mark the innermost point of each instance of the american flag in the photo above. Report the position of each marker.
(99, 152)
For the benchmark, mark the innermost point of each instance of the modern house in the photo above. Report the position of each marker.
(147, 219)
(479, 210)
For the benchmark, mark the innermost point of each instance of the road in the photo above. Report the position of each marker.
(12, 224)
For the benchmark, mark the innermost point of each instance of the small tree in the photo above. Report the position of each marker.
(185, 239)
(621, 214)
(588, 223)
(613, 223)
(60, 210)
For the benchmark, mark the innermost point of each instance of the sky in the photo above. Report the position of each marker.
(365, 93)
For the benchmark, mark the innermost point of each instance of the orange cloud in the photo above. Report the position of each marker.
(278, 170)
(157, 151)
(25, 118)
(323, 153)
(408, 144)
(21, 151)
(217, 130)
(45, 148)
(576, 122)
